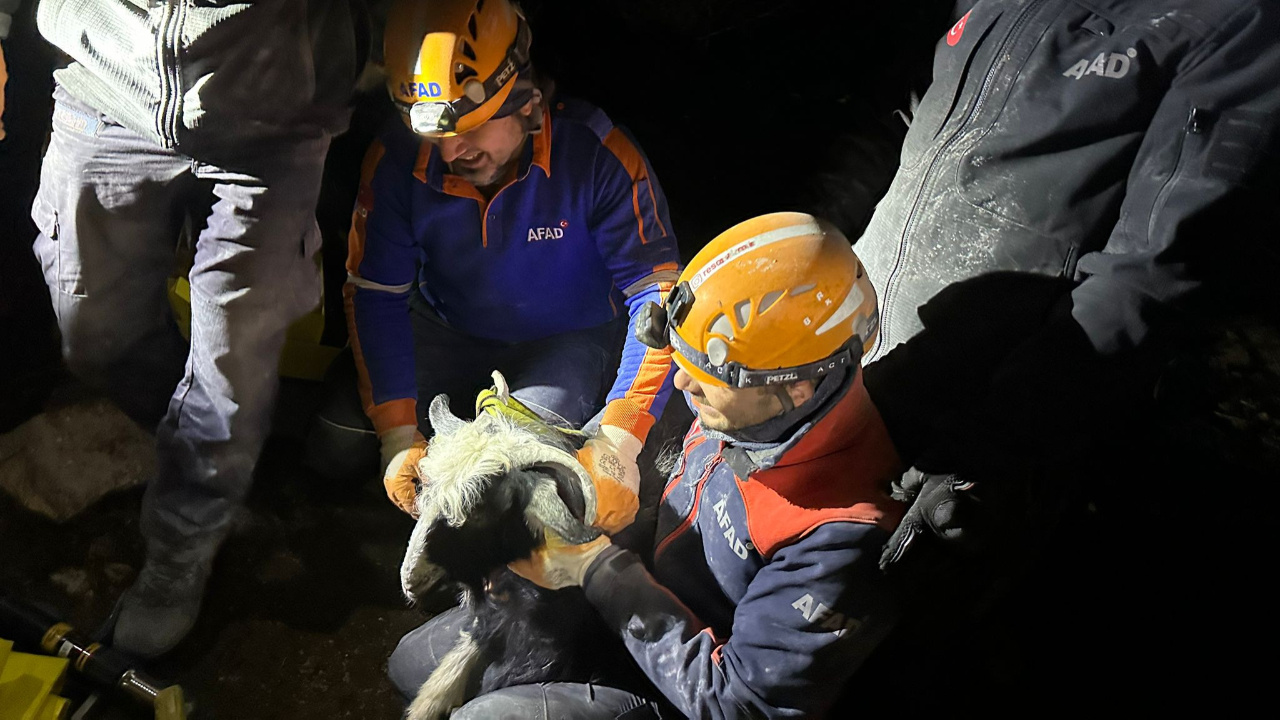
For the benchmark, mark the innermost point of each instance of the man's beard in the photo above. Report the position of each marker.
(488, 175)
(482, 177)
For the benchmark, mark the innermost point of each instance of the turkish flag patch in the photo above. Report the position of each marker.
(957, 30)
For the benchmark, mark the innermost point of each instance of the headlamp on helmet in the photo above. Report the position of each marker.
(653, 322)
(449, 58)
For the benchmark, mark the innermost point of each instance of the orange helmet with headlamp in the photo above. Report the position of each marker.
(453, 64)
(778, 298)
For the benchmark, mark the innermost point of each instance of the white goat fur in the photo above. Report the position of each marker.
(486, 448)
(445, 689)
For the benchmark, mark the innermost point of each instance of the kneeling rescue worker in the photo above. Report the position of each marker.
(497, 226)
(764, 595)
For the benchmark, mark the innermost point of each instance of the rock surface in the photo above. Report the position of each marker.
(65, 459)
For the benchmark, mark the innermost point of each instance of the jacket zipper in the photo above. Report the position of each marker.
(168, 38)
(1194, 126)
(693, 512)
(891, 286)
(675, 481)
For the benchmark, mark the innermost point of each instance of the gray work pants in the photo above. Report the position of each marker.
(420, 651)
(110, 209)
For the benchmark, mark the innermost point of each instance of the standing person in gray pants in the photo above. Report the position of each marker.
(221, 114)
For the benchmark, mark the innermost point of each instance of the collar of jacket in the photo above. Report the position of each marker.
(837, 470)
(838, 424)
(842, 427)
(432, 170)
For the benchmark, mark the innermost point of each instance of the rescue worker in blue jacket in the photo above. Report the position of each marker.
(495, 227)
(765, 594)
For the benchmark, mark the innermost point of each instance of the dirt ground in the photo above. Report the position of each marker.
(301, 613)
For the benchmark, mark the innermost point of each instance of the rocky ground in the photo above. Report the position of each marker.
(301, 613)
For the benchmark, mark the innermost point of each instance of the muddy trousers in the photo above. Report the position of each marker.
(110, 210)
(420, 651)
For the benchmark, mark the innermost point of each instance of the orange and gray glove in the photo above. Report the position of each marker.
(402, 447)
(558, 563)
(609, 457)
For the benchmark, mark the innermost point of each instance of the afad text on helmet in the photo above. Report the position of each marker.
(422, 90)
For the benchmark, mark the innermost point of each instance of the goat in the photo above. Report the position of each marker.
(495, 484)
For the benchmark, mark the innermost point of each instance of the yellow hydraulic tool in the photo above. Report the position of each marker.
(29, 685)
(96, 662)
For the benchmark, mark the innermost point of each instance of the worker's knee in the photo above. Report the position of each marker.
(520, 701)
(92, 350)
(419, 652)
(405, 668)
(564, 701)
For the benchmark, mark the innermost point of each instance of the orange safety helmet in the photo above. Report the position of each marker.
(452, 64)
(776, 299)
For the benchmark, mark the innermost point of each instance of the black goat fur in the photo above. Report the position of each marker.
(528, 634)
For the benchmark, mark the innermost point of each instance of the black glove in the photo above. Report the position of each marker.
(948, 507)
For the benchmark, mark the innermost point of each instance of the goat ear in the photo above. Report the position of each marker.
(443, 421)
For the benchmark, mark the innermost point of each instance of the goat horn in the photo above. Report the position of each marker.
(443, 421)
(500, 387)
(546, 509)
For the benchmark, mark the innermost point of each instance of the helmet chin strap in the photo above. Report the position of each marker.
(826, 392)
(784, 397)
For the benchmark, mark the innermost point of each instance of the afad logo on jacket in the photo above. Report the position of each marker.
(1114, 65)
(547, 233)
(818, 614)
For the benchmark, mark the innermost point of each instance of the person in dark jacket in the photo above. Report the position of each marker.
(217, 116)
(1062, 185)
(764, 595)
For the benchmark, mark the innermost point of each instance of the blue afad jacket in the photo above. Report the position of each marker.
(765, 595)
(578, 238)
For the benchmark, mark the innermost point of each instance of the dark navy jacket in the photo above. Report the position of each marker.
(1080, 139)
(765, 594)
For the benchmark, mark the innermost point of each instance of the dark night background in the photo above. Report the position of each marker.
(1150, 597)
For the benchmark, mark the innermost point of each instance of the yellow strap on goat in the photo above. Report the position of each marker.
(497, 401)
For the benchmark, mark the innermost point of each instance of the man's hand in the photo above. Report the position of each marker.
(945, 506)
(559, 564)
(402, 448)
(610, 460)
